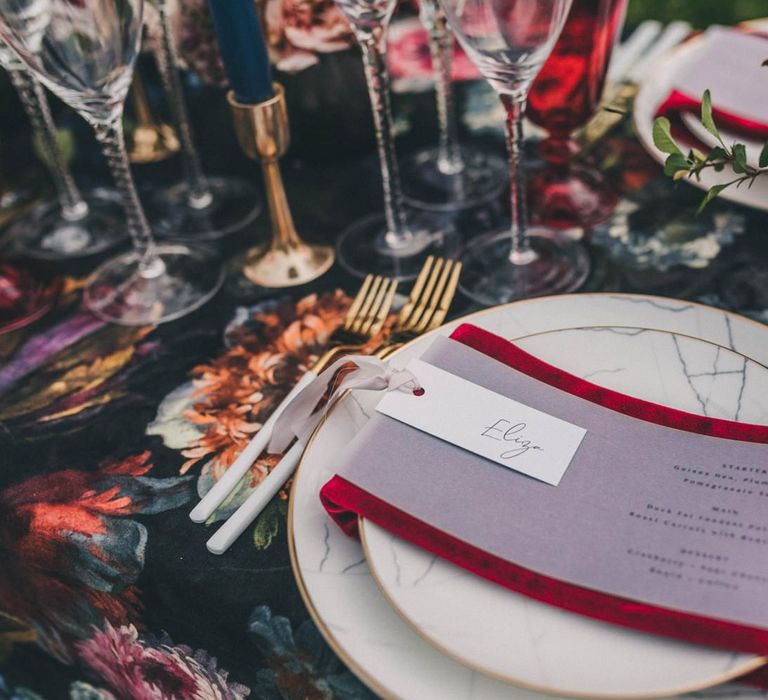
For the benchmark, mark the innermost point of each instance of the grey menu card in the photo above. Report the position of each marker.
(643, 512)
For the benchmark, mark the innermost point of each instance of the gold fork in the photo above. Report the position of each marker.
(363, 322)
(427, 305)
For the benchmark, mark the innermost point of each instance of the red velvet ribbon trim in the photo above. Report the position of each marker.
(344, 501)
(502, 350)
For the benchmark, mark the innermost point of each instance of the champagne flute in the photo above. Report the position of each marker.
(564, 96)
(509, 40)
(85, 53)
(452, 176)
(388, 244)
(75, 225)
(199, 207)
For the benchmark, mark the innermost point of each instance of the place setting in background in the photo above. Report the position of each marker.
(726, 61)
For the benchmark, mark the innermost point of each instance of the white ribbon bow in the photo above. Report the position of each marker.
(299, 418)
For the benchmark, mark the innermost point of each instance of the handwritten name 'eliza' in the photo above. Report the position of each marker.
(505, 430)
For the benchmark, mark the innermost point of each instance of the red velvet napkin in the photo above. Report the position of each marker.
(345, 502)
(678, 103)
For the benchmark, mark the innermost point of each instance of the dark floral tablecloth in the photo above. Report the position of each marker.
(108, 435)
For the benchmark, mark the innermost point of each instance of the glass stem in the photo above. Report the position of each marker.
(521, 253)
(449, 159)
(110, 136)
(199, 193)
(373, 44)
(32, 95)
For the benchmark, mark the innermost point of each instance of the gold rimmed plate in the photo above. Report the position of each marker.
(381, 646)
(513, 638)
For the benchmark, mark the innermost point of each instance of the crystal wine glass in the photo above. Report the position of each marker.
(199, 207)
(84, 51)
(75, 225)
(563, 97)
(390, 244)
(452, 176)
(509, 40)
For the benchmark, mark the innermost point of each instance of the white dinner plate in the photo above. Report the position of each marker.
(652, 93)
(384, 650)
(512, 637)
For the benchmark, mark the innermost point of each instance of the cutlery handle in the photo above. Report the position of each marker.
(674, 33)
(626, 54)
(223, 538)
(240, 467)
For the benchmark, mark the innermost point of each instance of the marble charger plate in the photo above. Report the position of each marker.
(486, 642)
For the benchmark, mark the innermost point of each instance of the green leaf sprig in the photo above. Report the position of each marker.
(680, 165)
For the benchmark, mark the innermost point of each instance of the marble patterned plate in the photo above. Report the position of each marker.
(509, 636)
(330, 568)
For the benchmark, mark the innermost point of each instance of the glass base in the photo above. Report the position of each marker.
(43, 233)
(565, 197)
(181, 280)
(28, 290)
(426, 186)
(13, 201)
(553, 264)
(234, 206)
(662, 233)
(363, 247)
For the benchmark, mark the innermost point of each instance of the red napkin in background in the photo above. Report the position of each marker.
(678, 102)
(727, 61)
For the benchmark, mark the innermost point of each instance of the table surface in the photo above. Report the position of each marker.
(109, 434)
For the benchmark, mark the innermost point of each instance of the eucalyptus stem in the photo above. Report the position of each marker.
(692, 164)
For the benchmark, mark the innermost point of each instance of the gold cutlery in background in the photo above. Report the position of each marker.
(151, 140)
(620, 95)
(428, 304)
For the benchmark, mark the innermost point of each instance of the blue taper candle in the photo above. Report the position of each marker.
(243, 49)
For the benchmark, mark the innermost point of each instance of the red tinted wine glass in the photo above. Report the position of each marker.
(563, 97)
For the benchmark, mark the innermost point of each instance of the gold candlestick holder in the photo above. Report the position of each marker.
(286, 261)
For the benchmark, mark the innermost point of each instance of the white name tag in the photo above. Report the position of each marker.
(486, 423)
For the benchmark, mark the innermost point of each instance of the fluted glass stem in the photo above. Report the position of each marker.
(521, 253)
(373, 44)
(110, 136)
(35, 103)
(199, 194)
(433, 18)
